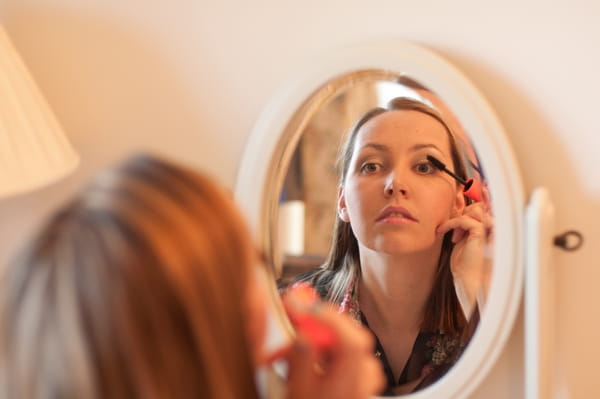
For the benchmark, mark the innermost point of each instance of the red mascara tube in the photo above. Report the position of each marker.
(301, 302)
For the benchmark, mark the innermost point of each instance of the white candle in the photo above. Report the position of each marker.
(291, 227)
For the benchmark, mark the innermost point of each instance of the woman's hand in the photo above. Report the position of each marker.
(473, 236)
(346, 368)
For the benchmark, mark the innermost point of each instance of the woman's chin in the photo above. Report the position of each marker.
(403, 247)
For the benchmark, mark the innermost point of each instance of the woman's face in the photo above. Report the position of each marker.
(392, 196)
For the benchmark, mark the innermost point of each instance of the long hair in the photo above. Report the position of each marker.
(342, 265)
(136, 289)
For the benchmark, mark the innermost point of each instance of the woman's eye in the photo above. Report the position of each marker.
(369, 167)
(425, 168)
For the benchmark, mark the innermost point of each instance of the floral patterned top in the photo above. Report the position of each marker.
(432, 355)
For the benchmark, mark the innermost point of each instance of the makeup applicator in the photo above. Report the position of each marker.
(301, 301)
(472, 187)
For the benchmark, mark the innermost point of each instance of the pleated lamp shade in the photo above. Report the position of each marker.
(34, 150)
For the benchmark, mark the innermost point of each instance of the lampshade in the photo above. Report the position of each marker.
(34, 150)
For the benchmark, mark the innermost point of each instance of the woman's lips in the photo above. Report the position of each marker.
(396, 215)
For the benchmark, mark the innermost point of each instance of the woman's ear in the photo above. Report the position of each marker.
(460, 203)
(341, 205)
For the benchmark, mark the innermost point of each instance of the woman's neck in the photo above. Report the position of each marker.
(393, 289)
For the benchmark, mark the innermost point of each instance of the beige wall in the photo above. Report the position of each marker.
(189, 78)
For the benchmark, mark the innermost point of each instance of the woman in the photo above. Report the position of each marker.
(407, 257)
(144, 286)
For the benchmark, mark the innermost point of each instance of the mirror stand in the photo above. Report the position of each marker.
(539, 296)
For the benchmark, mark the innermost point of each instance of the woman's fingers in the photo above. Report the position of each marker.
(302, 378)
(345, 369)
(462, 226)
(351, 356)
(474, 222)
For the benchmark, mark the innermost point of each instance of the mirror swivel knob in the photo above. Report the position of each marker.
(570, 240)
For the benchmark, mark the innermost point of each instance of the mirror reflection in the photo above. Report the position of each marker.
(384, 209)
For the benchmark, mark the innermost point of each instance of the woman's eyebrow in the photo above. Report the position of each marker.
(418, 147)
(375, 146)
(384, 148)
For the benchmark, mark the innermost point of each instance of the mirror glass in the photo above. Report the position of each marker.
(304, 208)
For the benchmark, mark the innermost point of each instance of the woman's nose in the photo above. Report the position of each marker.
(394, 185)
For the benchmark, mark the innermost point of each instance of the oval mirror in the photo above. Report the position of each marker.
(287, 182)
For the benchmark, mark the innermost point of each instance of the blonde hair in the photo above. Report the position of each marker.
(136, 289)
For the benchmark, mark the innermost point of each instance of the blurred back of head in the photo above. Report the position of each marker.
(135, 289)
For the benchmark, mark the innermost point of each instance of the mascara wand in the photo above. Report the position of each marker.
(472, 187)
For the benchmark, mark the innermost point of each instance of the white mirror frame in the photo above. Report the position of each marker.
(491, 143)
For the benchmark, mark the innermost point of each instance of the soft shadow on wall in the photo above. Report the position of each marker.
(113, 91)
(543, 161)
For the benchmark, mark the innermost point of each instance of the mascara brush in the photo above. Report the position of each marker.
(472, 187)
